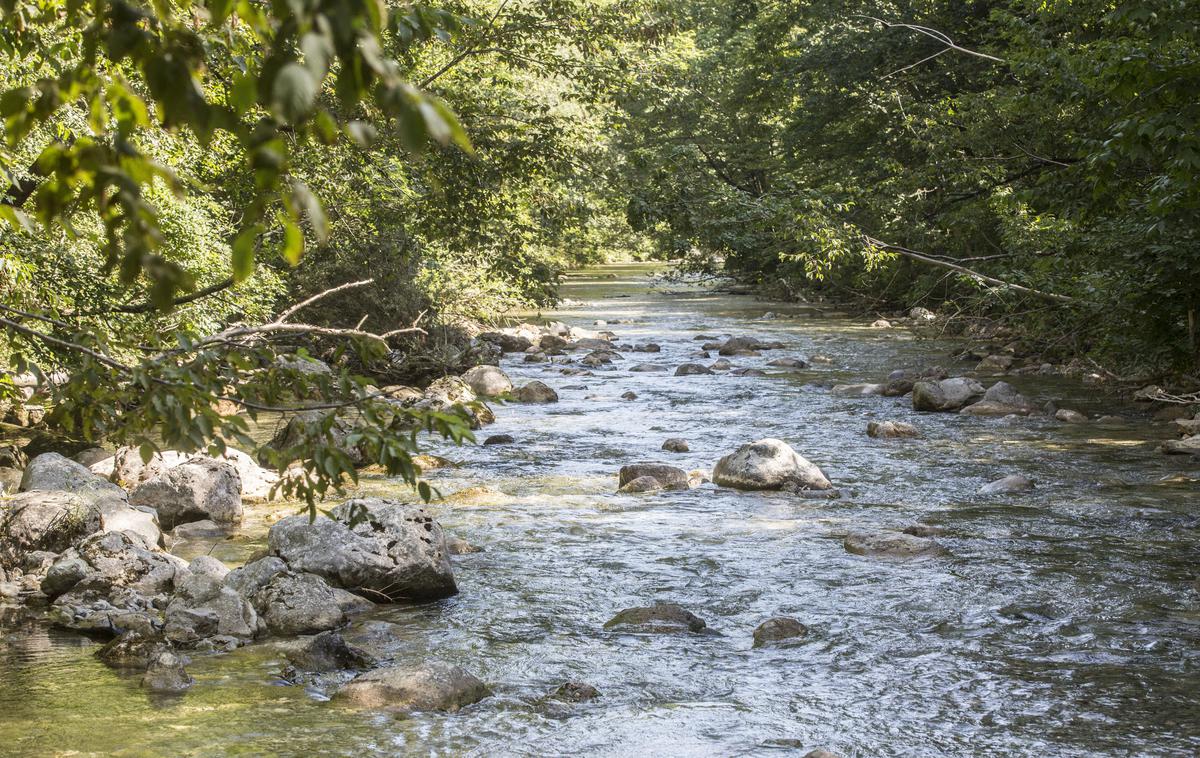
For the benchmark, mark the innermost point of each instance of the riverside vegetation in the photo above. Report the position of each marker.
(258, 259)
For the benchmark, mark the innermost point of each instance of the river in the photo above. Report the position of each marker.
(1064, 621)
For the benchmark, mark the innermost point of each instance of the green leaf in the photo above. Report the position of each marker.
(293, 93)
(243, 252)
(244, 92)
(293, 241)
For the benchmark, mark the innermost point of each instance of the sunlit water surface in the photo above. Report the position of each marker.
(1064, 622)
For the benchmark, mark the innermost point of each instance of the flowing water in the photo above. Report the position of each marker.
(1064, 621)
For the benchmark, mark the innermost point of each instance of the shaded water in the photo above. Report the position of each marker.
(1064, 621)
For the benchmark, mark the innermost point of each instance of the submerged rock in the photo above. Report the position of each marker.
(856, 390)
(769, 464)
(166, 673)
(662, 618)
(777, 630)
(575, 692)
(890, 544)
(1006, 485)
(430, 686)
(668, 477)
(327, 651)
(891, 430)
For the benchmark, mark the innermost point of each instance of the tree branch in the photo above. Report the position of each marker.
(925, 258)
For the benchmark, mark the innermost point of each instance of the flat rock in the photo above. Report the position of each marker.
(890, 544)
(663, 618)
(430, 686)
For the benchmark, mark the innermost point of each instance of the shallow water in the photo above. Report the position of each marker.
(1064, 621)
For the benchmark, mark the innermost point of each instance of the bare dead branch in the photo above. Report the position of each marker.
(934, 34)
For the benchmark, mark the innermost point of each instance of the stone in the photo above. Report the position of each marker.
(1186, 446)
(499, 439)
(822, 752)
(50, 521)
(508, 342)
(248, 579)
(881, 323)
(193, 491)
(327, 651)
(382, 549)
(203, 605)
(996, 362)
(769, 464)
(643, 368)
(535, 358)
(199, 530)
(788, 363)
(304, 364)
(676, 445)
(1068, 416)
(900, 382)
(166, 674)
(923, 530)
(890, 544)
(1001, 399)
(292, 604)
(1009, 484)
(922, 314)
(132, 650)
(721, 364)
(779, 630)
(429, 686)
(747, 372)
(575, 692)
(668, 477)
(641, 484)
(661, 618)
(487, 381)
(120, 559)
(649, 347)
(629, 395)
(856, 390)
(743, 346)
(891, 430)
(536, 392)
(458, 546)
(692, 369)
(945, 395)
(54, 472)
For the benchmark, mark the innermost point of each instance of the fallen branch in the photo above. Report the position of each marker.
(926, 258)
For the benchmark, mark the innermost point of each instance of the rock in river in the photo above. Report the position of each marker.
(430, 686)
(487, 381)
(381, 549)
(779, 630)
(692, 369)
(891, 429)
(1001, 399)
(676, 445)
(1009, 484)
(946, 395)
(890, 544)
(51, 521)
(769, 464)
(536, 392)
(201, 488)
(662, 618)
(668, 477)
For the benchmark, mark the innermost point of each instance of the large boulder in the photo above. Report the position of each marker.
(112, 582)
(429, 686)
(536, 392)
(769, 464)
(508, 341)
(1185, 446)
(668, 477)
(292, 604)
(487, 381)
(381, 549)
(1001, 399)
(50, 521)
(945, 395)
(201, 488)
(51, 471)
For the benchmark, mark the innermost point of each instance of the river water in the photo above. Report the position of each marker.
(1064, 621)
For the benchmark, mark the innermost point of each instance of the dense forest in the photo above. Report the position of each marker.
(738, 290)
